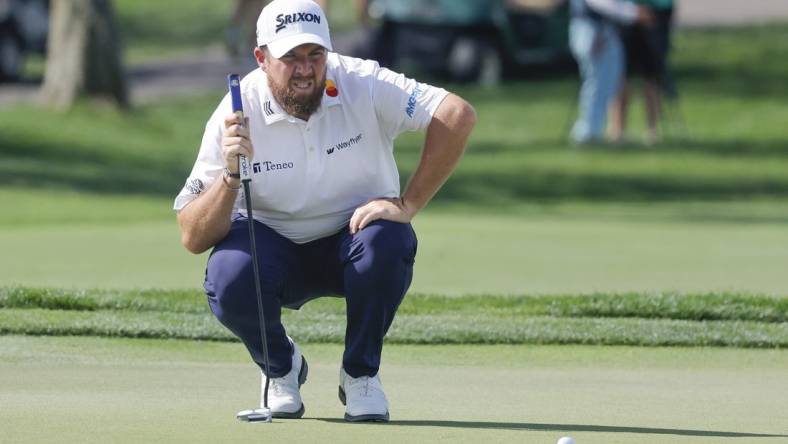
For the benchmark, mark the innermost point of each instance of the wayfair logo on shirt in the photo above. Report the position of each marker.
(346, 144)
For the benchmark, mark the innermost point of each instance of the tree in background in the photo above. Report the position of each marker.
(83, 55)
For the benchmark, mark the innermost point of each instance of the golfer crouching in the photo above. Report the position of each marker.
(329, 218)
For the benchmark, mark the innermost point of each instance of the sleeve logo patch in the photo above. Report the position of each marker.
(412, 101)
(195, 186)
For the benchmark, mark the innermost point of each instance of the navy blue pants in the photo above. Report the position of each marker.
(371, 269)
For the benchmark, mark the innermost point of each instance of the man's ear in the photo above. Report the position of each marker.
(260, 55)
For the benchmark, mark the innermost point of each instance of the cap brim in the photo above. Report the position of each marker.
(279, 47)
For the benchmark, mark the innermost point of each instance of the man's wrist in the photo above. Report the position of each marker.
(407, 208)
(230, 180)
(230, 174)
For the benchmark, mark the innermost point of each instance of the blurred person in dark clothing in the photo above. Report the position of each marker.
(646, 49)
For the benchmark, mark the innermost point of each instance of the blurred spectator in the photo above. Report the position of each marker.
(646, 49)
(241, 33)
(595, 44)
(362, 12)
(24, 26)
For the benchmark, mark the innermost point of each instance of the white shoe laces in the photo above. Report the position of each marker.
(280, 385)
(277, 386)
(365, 385)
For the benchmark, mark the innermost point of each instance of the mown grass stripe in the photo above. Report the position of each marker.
(179, 301)
(410, 329)
(698, 307)
(161, 325)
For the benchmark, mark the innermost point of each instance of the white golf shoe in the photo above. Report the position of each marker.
(363, 397)
(284, 397)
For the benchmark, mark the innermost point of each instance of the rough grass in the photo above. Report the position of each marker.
(694, 307)
(482, 328)
(625, 319)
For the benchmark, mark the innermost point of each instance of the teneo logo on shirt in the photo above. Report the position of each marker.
(412, 101)
(259, 167)
(282, 20)
(346, 144)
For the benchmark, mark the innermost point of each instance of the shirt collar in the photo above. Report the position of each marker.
(272, 112)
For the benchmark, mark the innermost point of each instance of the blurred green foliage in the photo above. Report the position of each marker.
(155, 29)
(151, 27)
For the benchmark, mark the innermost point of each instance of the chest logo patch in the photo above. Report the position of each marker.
(345, 145)
(331, 88)
(260, 167)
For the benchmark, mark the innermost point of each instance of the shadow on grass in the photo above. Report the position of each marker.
(593, 173)
(525, 426)
(743, 82)
(492, 174)
(532, 184)
(747, 149)
(39, 164)
(671, 145)
(92, 177)
(507, 177)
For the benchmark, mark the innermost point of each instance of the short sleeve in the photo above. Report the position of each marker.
(209, 164)
(404, 104)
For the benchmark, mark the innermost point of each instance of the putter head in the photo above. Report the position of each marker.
(255, 415)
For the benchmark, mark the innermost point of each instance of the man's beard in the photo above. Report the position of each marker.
(298, 105)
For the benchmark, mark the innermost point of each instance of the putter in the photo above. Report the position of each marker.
(261, 414)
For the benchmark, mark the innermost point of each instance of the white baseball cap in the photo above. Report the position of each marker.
(285, 24)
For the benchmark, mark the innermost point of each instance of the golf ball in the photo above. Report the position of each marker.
(566, 440)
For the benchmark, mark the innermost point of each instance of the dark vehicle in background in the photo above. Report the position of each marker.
(470, 40)
(23, 29)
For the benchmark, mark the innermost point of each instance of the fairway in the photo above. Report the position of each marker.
(119, 390)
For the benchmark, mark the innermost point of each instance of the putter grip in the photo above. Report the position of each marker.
(234, 82)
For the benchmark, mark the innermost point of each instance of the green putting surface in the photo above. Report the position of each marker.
(68, 389)
(459, 253)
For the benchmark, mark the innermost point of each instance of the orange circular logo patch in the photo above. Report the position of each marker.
(331, 88)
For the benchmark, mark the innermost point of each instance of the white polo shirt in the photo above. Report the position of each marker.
(309, 176)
